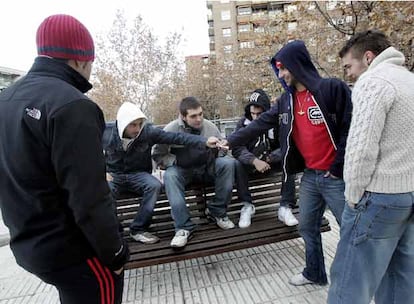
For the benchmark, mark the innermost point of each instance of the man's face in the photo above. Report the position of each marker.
(255, 112)
(354, 67)
(287, 76)
(133, 128)
(194, 118)
(86, 69)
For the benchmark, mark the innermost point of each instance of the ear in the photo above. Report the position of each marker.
(370, 56)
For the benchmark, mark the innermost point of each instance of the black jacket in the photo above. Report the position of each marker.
(261, 146)
(53, 193)
(331, 95)
(137, 157)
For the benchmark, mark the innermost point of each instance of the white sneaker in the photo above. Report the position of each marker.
(299, 280)
(180, 238)
(285, 215)
(245, 215)
(145, 237)
(224, 223)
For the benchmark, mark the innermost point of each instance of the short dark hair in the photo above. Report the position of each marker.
(188, 103)
(371, 40)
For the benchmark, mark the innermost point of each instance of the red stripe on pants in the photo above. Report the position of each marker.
(98, 277)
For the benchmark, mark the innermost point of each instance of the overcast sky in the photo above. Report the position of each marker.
(19, 20)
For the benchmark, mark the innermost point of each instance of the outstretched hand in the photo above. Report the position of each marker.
(261, 165)
(212, 142)
(223, 145)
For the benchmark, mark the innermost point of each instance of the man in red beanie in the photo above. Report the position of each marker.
(53, 193)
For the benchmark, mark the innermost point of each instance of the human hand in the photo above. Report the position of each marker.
(109, 177)
(223, 145)
(260, 165)
(212, 142)
(329, 174)
(119, 271)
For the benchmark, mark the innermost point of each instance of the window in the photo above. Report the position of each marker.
(225, 15)
(226, 32)
(241, 11)
(348, 19)
(275, 8)
(247, 44)
(292, 26)
(228, 63)
(258, 28)
(244, 28)
(227, 48)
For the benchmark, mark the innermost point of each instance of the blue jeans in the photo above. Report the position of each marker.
(315, 193)
(287, 192)
(176, 178)
(375, 254)
(141, 183)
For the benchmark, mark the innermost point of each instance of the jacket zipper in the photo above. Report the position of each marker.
(290, 132)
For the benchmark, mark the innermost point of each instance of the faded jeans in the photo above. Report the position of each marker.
(176, 178)
(375, 254)
(315, 193)
(142, 183)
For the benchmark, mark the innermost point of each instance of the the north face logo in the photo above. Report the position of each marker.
(34, 113)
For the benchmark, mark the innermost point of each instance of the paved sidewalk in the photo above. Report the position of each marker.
(256, 275)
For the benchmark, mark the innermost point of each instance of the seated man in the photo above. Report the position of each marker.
(127, 146)
(194, 164)
(257, 156)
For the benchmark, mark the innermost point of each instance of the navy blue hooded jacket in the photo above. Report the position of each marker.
(331, 95)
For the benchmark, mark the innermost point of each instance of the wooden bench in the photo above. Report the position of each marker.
(208, 238)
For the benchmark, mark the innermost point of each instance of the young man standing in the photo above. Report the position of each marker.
(260, 155)
(314, 115)
(127, 145)
(375, 254)
(53, 193)
(194, 164)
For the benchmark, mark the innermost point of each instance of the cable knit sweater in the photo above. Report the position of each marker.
(380, 146)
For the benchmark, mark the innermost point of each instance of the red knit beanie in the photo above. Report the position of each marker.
(63, 36)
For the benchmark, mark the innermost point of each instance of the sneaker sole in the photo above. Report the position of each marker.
(145, 242)
(286, 223)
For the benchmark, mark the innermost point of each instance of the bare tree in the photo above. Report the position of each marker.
(132, 65)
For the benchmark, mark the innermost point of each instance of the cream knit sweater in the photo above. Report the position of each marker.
(379, 153)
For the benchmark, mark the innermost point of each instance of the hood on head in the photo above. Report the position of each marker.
(258, 98)
(127, 113)
(295, 57)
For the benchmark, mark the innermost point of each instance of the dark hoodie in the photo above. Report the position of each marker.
(331, 95)
(261, 146)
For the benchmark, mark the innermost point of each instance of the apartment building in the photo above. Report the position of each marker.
(240, 26)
